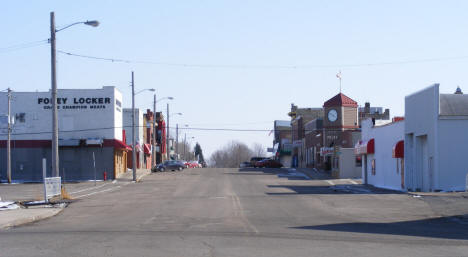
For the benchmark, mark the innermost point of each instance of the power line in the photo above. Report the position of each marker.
(248, 66)
(23, 46)
(180, 128)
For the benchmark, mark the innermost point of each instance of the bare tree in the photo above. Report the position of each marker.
(258, 150)
(231, 155)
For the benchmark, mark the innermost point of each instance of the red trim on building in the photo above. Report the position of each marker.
(365, 147)
(398, 150)
(340, 100)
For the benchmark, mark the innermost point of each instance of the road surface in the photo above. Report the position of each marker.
(253, 212)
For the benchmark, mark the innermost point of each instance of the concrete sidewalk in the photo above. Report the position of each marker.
(314, 173)
(34, 192)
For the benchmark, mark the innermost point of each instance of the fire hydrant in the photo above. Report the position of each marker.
(105, 176)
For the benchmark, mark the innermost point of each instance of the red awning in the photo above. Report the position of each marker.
(399, 149)
(121, 145)
(147, 148)
(365, 147)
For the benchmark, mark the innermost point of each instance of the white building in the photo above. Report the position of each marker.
(380, 150)
(127, 126)
(82, 114)
(436, 140)
(90, 122)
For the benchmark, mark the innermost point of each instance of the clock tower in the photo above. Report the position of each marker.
(340, 115)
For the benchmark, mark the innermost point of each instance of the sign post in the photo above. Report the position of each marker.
(44, 166)
(52, 185)
(94, 163)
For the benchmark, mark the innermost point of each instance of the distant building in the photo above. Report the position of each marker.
(340, 133)
(313, 142)
(161, 152)
(374, 113)
(299, 117)
(282, 141)
(127, 126)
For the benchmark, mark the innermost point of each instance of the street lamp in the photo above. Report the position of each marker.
(133, 124)
(153, 160)
(168, 128)
(53, 30)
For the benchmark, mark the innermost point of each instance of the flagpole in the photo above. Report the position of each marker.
(340, 84)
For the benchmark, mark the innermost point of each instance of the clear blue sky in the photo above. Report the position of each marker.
(330, 34)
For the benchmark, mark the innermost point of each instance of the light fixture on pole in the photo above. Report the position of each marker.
(155, 143)
(168, 150)
(53, 30)
(133, 124)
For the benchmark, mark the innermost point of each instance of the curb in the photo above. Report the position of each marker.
(31, 219)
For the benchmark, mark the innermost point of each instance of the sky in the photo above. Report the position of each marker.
(239, 64)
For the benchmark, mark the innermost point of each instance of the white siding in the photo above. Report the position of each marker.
(97, 118)
(453, 154)
(385, 137)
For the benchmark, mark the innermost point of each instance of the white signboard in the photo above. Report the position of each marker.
(53, 186)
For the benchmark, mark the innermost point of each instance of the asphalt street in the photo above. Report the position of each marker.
(251, 212)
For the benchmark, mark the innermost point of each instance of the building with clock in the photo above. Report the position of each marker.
(340, 133)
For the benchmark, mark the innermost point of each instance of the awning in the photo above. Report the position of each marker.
(121, 145)
(147, 148)
(364, 147)
(399, 149)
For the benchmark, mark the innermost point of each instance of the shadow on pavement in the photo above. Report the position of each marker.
(264, 170)
(452, 227)
(337, 189)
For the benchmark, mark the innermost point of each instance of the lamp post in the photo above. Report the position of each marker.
(154, 127)
(9, 138)
(53, 30)
(133, 125)
(167, 132)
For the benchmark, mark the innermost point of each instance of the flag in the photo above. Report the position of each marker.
(338, 75)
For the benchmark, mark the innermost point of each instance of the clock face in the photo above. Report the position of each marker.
(332, 115)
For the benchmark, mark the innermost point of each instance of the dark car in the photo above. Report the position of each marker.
(169, 165)
(254, 160)
(268, 163)
(245, 165)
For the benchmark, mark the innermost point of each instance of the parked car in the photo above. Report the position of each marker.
(254, 160)
(194, 164)
(169, 165)
(268, 163)
(245, 165)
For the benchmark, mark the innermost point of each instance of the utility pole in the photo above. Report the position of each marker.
(55, 148)
(168, 150)
(185, 142)
(154, 133)
(133, 131)
(9, 138)
(177, 141)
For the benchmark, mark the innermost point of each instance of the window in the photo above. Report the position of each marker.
(373, 166)
(20, 117)
(397, 166)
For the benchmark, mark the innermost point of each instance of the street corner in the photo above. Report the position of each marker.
(18, 214)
